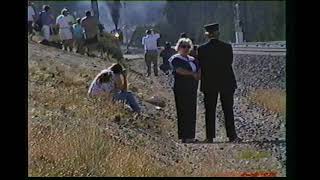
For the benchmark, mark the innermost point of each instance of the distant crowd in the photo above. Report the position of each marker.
(74, 33)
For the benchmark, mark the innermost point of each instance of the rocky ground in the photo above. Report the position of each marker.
(263, 130)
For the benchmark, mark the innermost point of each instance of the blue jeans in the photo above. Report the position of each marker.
(128, 98)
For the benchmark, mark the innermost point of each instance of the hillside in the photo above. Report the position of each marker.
(72, 135)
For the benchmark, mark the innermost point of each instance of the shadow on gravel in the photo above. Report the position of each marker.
(244, 142)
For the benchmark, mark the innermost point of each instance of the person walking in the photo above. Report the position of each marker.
(151, 51)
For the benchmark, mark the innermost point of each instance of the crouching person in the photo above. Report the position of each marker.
(113, 81)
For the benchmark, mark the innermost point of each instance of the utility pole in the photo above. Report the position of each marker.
(238, 23)
(95, 8)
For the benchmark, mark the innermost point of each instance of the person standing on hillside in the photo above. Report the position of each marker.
(151, 51)
(63, 22)
(91, 29)
(31, 19)
(47, 21)
(217, 78)
(78, 36)
(70, 17)
(185, 70)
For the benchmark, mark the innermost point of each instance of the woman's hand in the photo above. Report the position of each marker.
(185, 72)
(196, 76)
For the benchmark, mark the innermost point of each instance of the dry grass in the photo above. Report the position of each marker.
(86, 151)
(271, 99)
(251, 154)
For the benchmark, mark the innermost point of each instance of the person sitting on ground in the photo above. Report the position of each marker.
(78, 36)
(65, 33)
(113, 81)
(166, 54)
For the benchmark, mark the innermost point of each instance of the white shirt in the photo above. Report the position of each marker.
(31, 13)
(97, 88)
(71, 19)
(63, 21)
(150, 41)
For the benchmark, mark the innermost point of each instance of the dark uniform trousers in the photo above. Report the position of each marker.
(210, 102)
(186, 104)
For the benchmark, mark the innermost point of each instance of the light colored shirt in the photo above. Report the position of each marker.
(150, 41)
(31, 13)
(63, 21)
(71, 19)
(97, 87)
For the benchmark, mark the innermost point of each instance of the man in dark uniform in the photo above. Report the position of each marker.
(217, 77)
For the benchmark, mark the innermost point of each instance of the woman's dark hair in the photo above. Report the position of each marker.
(167, 44)
(195, 47)
(116, 68)
(46, 8)
(88, 13)
(183, 35)
(105, 77)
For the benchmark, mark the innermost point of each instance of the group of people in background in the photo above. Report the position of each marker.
(78, 33)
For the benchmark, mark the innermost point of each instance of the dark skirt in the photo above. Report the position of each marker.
(186, 107)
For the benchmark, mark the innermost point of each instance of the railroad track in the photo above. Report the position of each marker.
(249, 48)
(260, 51)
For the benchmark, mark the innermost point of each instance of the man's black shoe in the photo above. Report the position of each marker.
(235, 140)
(189, 140)
(208, 141)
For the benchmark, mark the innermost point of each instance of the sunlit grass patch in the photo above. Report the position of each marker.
(250, 154)
(271, 99)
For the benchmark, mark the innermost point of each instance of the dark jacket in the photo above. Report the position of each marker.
(181, 82)
(215, 58)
